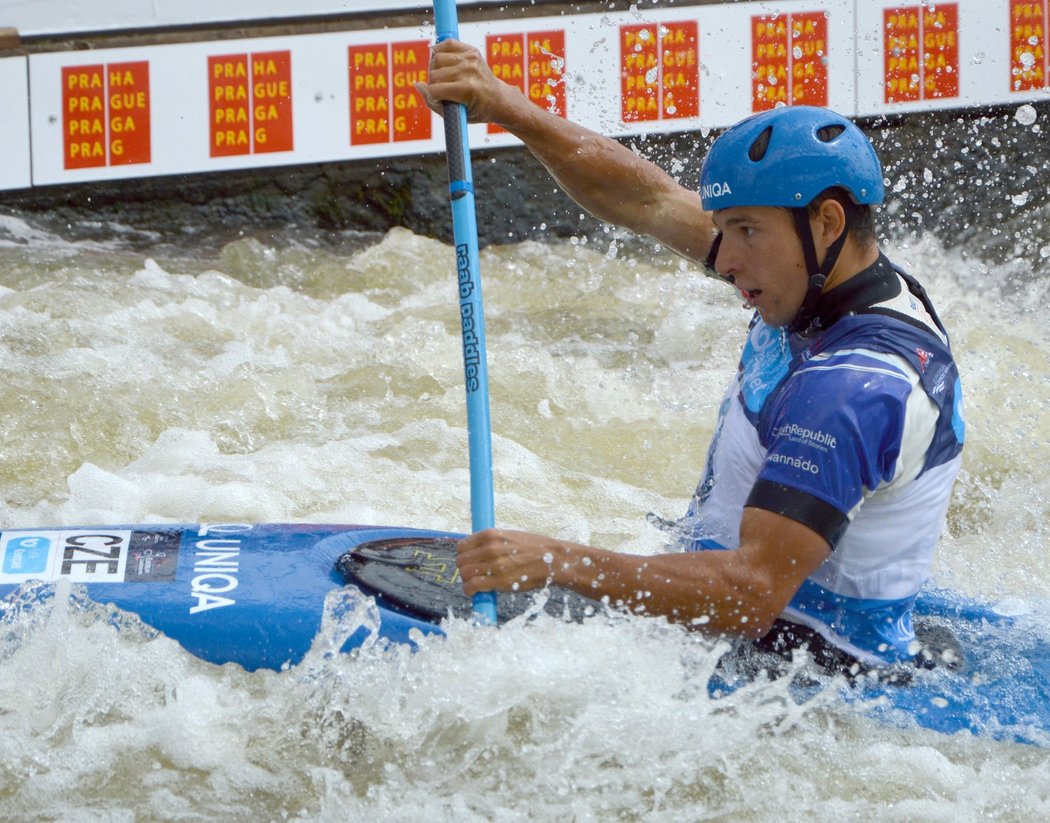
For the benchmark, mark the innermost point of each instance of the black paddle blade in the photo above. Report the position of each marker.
(418, 576)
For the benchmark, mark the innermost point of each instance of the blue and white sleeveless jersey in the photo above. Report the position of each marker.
(855, 432)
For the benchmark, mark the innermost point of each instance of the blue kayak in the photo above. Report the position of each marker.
(254, 594)
(228, 593)
(1002, 687)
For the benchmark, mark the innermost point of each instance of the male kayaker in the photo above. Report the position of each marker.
(832, 464)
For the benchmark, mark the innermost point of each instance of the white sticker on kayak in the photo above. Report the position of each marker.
(84, 556)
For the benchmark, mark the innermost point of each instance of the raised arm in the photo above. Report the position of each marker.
(603, 176)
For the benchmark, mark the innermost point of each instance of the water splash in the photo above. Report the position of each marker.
(246, 393)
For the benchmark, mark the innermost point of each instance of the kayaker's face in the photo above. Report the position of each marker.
(761, 251)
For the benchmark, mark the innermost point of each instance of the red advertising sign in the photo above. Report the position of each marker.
(369, 94)
(84, 116)
(1028, 44)
(532, 62)
(384, 104)
(545, 66)
(922, 52)
(659, 72)
(250, 103)
(106, 115)
(769, 62)
(129, 113)
(940, 50)
(505, 54)
(902, 40)
(229, 105)
(789, 60)
(272, 102)
(409, 66)
(639, 74)
(809, 59)
(680, 70)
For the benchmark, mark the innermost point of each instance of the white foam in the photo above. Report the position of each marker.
(139, 393)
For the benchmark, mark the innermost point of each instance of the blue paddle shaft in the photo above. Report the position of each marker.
(471, 314)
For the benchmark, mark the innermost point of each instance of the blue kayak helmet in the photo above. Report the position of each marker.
(785, 158)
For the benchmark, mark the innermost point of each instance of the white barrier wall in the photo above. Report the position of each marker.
(34, 18)
(218, 105)
(14, 124)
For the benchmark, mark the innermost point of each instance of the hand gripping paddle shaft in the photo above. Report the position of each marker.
(468, 271)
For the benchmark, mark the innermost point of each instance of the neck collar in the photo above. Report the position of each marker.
(868, 287)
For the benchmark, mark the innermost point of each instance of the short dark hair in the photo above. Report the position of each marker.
(863, 228)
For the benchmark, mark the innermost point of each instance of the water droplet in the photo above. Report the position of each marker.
(1019, 199)
(1025, 115)
(651, 75)
(978, 58)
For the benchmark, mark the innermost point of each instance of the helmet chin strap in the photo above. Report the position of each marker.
(806, 321)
